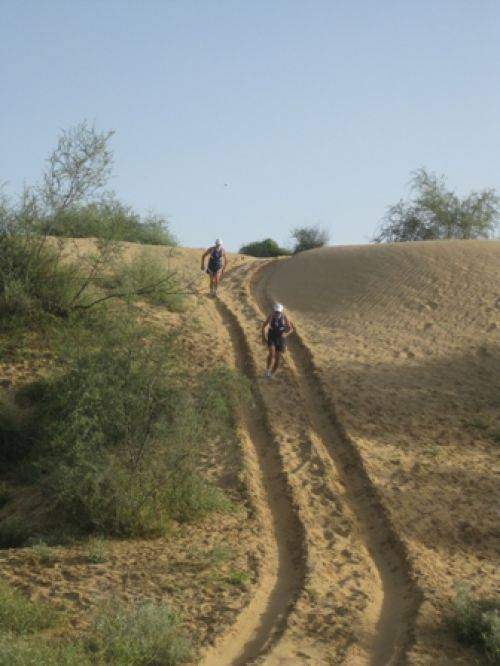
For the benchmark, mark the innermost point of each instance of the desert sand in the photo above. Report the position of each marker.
(366, 466)
(385, 422)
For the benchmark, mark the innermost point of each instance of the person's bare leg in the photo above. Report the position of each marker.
(211, 284)
(270, 357)
(276, 363)
(216, 282)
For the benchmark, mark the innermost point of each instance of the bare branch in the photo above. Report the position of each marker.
(79, 167)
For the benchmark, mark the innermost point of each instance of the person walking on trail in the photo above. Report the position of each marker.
(217, 265)
(279, 328)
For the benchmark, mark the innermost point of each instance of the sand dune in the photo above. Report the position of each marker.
(406, 341)
(367, 462)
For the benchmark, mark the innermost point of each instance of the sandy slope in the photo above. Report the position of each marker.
(353, 599)
(367, 462)
(405, 340)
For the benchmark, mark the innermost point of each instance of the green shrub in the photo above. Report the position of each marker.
(121, 431)
(105, 433)
(42, 553)
(97, 552)
(148, 276)
(189, 497)
(147, 635)
(264, 248)
(436, 213)
(33, 279)
(14, 532)
(36, 652)
(109, 219)
(19, 615)
(37, 284)
(309, 238)
(239, 578)
(477, 623)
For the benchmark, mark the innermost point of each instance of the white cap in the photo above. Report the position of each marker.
(278, 307)
(218, 241)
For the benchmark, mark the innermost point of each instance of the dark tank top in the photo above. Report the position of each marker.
(215, 262)
(278, 325)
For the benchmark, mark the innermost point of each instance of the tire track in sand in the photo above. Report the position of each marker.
(391, 631)
(282, 571)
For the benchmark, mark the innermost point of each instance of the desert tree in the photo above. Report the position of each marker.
(264, 248)
(436, 213)
(77, 169)
(308, 238)
(34, 267)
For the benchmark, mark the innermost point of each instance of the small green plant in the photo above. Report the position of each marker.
(219, 555)
(19, 615)
(478, 424)
(42, 553)
(239, 578)
(477, 622)
(14, 532)
(143, 636)
(97, 551)
(432, 450)
(148, 276)
(33, 651)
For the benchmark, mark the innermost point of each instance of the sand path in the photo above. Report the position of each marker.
(334, 585)
(282, 569)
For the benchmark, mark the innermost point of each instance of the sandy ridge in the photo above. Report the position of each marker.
(405, 340)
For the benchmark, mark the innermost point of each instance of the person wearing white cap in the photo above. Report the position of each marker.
(279, 328)
(217, 265)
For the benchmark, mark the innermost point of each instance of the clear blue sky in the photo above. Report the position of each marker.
(311, 111)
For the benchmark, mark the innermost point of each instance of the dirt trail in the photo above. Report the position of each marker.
(335, 588)
(282, 569)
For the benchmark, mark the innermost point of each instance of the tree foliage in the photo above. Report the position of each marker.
(264, 248)
(435, 213)
(78, 168)
(109, 219)
(308, 238)
(71, 199)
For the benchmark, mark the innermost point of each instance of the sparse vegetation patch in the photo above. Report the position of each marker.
(19, 615)
(477, 623)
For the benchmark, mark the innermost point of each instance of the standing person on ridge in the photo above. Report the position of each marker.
(279, 328)
(217, 265)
